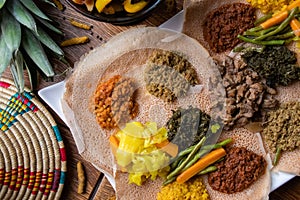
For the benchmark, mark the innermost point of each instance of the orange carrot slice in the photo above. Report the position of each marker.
(293, 5)
(295, 25)
(276, 19)
(201, 164)
(114, 143)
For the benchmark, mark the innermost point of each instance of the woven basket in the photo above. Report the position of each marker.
(32, 153)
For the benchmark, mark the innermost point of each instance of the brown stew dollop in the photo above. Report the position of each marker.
(239, 169)
(223, 24)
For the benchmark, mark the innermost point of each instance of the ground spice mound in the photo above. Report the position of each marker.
(237, 171)
(113, 102)
(168, 75)
(193, 189)
(282, 127)
(223, 24)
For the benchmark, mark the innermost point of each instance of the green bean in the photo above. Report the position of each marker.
(180, 157)
(195, 159)
(167, 181)
(265, 31)
(263, 19)
(36, 52)
(280, 27)
(21, 14)
(221, 159)
(268, 42)
(208, 169)
(176, 162)
(186, 151)
(11, 30)
(281, 37)
(189, 157)
(217, 145)
(255, 29)
(277, 156)
(204, 150)
(30, 5)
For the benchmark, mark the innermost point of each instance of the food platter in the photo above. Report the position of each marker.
(53, 101)
(119, 18)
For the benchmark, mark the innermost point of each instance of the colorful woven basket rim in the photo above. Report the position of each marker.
(32, 153)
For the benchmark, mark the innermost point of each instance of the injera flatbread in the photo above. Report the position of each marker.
(195, 13)
(128, 60)
(259, 190)
(126, 54)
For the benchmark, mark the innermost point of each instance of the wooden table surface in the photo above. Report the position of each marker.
(97, 186)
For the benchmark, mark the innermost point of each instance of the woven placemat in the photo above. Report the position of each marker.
(32, 153)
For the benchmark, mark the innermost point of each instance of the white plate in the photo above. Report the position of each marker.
(53, 94)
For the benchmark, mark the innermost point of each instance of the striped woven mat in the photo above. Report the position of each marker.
(32, 153)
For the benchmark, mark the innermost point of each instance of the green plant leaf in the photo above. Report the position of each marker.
(49, 26)
(11, 31)
(34, 49)
(30, 5)
(49, 2)
(2, 2)
(32, 75)
(47, 41)
(21, 14)
(6, 55)
(16, 68)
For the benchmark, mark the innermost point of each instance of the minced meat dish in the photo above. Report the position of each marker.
(223, 24)
(237, 171)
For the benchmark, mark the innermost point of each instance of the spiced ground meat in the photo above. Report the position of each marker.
(237, 171)
(223, 24)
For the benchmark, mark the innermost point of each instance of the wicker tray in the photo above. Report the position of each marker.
(32, 153)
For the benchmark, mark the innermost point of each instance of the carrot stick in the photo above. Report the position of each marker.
(201, 164)
(114, 143)
(295, 25)
(276, 19)
(293, 5)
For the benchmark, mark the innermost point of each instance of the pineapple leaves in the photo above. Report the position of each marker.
(21, 14)
(48, 42)
(5, 54)
(32, 75)
(11, 31)
(17, 71)
(2, 2)
(34, 49)
(49, 26)
(30, 5)
(49, 2)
